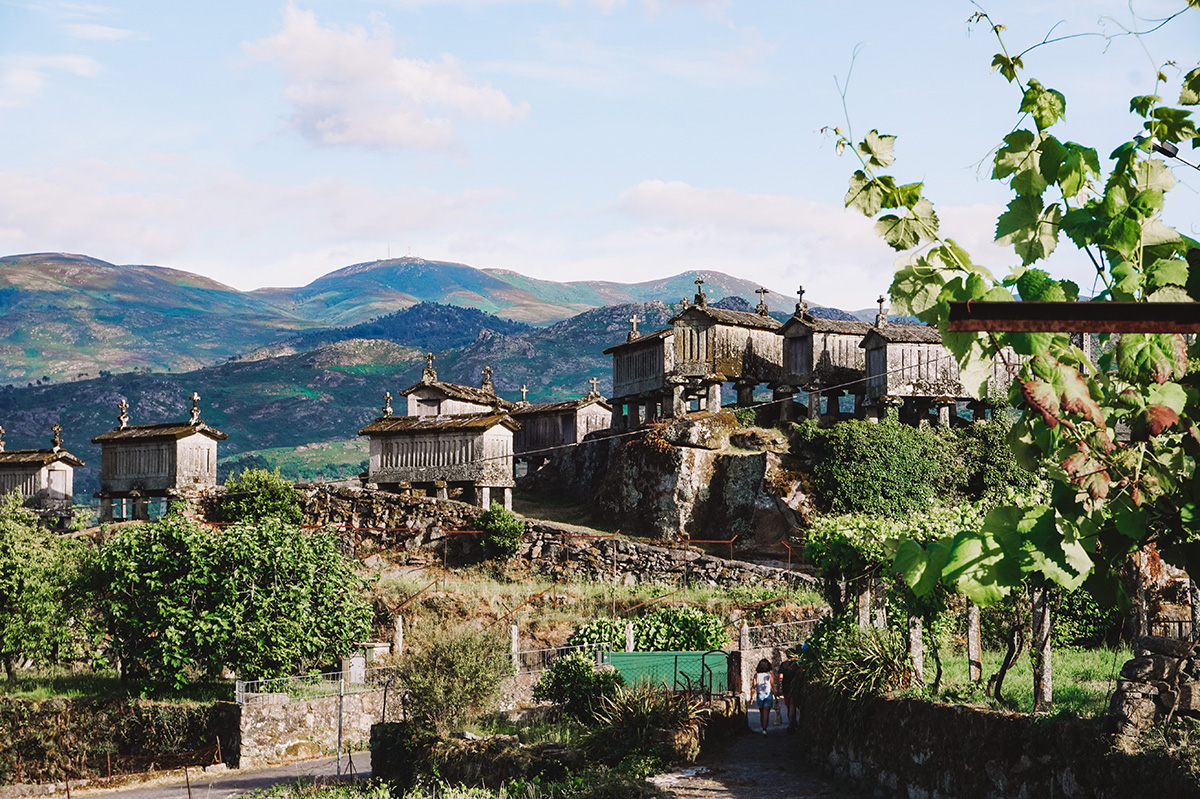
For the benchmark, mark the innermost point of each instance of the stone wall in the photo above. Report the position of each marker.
(915, 748)
(1161, 681)
(418, 525)
(281, 730)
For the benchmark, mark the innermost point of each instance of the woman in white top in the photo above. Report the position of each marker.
(764, 691)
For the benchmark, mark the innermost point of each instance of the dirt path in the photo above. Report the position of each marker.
(752, 766)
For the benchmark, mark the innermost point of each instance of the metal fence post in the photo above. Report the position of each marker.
(341, 700)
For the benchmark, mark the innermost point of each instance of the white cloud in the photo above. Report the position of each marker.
(347, 87)
(225, 225)
(23, 78)
(102, 33)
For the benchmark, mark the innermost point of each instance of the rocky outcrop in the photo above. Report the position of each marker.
(699, 477)
(424, 527)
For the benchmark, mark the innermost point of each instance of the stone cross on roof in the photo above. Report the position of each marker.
(633, 333)
(429, 374)
(123, 419)
(801, 305)
(881, 317)
(57, 441)
(487, 384)
(595, 381)
(387, 404)
(195, 409)
(762, 309)
(1, 439)
(524, 391)
(701, 300)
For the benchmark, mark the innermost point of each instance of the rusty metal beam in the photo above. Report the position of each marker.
(1074, 317)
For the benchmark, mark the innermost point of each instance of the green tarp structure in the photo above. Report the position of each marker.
(680, 671)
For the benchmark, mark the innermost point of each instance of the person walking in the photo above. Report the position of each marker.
(764, 691)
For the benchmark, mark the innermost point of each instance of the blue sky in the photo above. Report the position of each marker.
(267, 143)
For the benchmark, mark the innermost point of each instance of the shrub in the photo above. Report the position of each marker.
(258, 494)
(1081, 621)
(855, 662)
(641, 727)
(574, 682)
(453, 675)
(608, 633)
(679, 629)
(502, 532)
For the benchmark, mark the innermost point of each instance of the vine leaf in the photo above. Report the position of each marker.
(866, 193)
(1157, 357)
(906, 232)
(1032, 232)
(1059, 388)
(921, 567)
(1046, 106)
(1007, 66)
(1086, 472)
(877, 149)
(1190, 93)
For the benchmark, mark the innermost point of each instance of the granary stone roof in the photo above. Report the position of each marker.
(560, 407)
(460, 392)
(418, 424)
(148, 432)
(905, 334)
(816, 325)
(733, 318)
(37, 457)
(641, 339)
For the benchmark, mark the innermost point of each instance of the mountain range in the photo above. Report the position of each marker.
(284, 368)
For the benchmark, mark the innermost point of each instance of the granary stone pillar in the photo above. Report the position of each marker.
(618, 415)
(945, 410)
(745, 394)
(507, 498)
(784, 397)
(978, 410)
(712, 397)
(814, 405)
(439, 489)
(106, 509)
(678, 400)
(483, 495)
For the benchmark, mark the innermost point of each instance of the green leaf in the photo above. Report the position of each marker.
(1032, 232)
(1171, 124)
(877, 149)
(915, 288)
(1156, 357)
(865, 194)
(1170, 395)
(1143, 104)
(1008, 66)
(1190, 93)
(921, 567)
(1047, 106)
(1167, 272)
(1015, 155)
(905, 232)
(1170, 294)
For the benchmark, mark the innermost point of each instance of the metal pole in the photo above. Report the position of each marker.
(341, 699)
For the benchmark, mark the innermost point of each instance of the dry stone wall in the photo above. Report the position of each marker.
(272, 731)
(424, 527)
(1161, 681)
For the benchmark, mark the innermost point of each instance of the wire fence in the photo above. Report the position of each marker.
(535, 661)
(280, 690)
(781, 634)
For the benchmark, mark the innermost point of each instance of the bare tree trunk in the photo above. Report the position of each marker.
(1043, 693)
(916, 649)
(974, 646)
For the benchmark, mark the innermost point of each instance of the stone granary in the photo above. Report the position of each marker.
(910, 363)
(43, 477)
(551, 425)
(432, 397)
(467, 453)
(661, 375)
(153, 464)
(821, 358)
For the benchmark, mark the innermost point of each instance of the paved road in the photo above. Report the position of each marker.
(755, 767)
(239, 781)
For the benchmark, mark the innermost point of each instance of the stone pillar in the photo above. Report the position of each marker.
(974, 647)
(141, 509)
(507, 499)
(864, 608)
(712, 398)
(1043, 684)
(398, 636)
(743, 636)
(678, 401)
(784, 397)
(483, 496)
(916, 648)
(628, 636)
(1194, 601)
(745, 394)
(618, 415)
(514, 647)
(978, 411)
(945, 410)
(439, 489)
(106, 509)
(814, 405)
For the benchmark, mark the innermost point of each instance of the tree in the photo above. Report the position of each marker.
(37, 569)
(453, 675)
(258, 494)
(1109, 497)
(502, 532)
(266, 599)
